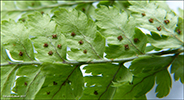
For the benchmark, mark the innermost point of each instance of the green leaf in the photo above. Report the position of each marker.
(144, 73)
(181, 12)
(17, 40)
(8, 74)
(163, 81)
(163, 42)
(9, 5)
(115, 24)
(100, 87)
(150, 48)
(4, 56)
(85, 30)
(177, 68)
(13, 9)
(136, 89)
(24, 83)
(140, 65)
(26, 4)
(156, 66)
(35, 86)
(123, 5)
(105, 3)
(62, 78)
(180, 27)
(162, 5)
(42, 28)
(158, 15)
(88, 9)
(144, 77)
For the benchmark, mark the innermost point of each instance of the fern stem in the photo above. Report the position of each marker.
(175, 51)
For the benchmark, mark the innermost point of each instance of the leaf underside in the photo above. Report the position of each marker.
(44, 51)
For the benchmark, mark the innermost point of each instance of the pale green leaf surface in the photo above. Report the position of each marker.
(48, 2)
(73, 21)
(163, 42)
(10, 15)
(8, 5)
(178, 68)
(88, 9)
(180, 27)
(163, 4)
(181, 12)
(13, 9)
(4, 56)
(16, 40)
(159, 15)
(113, 24)
(163, 80)
(27, 4)
(42, 28)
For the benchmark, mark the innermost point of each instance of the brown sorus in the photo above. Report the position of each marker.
(85, 51)
(166, 21)
(159, 28)
(50, 52)
(178, 31)
(81, 42)
(126, 47)
(73, 34)
(54, 36)
(136, 40)
(120, 38)
(83, 9)
(45, 45)
(48, 93)
(59, 46)
(54, 83)
(23, 20)
(20, 53)
(25, 83)
(151, 20)
(32, 4)
(95, 92)
(42, 12)
(143, 14)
